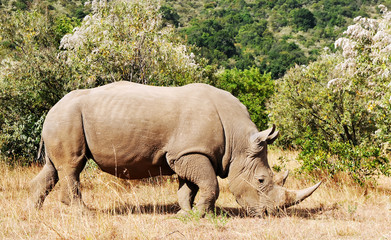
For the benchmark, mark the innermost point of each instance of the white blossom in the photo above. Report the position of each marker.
(127, 34)
(332, 82)
(356, 19)
(382, 8)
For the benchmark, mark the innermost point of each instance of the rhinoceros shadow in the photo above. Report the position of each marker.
(127, 208)
(307, 213)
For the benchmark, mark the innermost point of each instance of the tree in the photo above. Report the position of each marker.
(252, 88)
(303, 19)
(125, 40)
(169, 15)
(214, 40)
(335, 108)
(32, 79)
(252, 34)
(282, 56)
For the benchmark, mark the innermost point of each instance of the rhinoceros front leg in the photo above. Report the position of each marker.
(186, 194)
(197, 169)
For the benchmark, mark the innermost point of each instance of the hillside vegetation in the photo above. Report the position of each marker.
(271, 35)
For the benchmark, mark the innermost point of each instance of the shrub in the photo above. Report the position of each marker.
(323, 158)
(125, 40)
(303, 19)
(252, 88)
(32, 79)
(335, 108)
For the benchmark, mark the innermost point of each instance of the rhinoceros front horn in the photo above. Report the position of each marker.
(296, 196)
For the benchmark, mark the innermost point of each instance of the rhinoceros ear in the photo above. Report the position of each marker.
(271, 138)
(268, 136)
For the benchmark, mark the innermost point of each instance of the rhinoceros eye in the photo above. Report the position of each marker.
(261, 180)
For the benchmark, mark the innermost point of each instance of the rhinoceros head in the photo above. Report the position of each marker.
(252, 180)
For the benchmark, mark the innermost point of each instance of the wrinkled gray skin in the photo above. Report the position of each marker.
(135, 131)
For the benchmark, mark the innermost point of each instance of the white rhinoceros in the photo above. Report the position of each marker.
(136, 131)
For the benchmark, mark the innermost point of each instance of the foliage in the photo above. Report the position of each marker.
(322, 157)
(125, 40)
(252, 88)
(303, 19)
(64, 25)
(169, 15)
(241, 34)
(213, 39)
(282, 56)
(31, 79)
(57, 8)
(335, 108)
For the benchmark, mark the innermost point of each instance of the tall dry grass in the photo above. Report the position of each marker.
(146, 210)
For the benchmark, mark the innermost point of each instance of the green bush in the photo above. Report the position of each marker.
(335, 108)
(169, 15)
(125, 40)
(252, 88)
(281, 56)
(32, 79)
(303, 19)
(324, 158)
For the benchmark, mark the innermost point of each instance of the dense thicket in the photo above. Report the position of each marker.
(337, 108)
(270, 35)
(32, 77)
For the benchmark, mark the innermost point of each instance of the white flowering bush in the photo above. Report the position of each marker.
(125, 40)
(337, 109)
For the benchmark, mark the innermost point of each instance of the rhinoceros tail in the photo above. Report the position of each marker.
(41, 152)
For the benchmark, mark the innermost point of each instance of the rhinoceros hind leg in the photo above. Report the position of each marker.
(186, 194)
(70, 193)
(197, 169)
(42, 184)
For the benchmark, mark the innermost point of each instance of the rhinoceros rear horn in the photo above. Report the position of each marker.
(296, 196)
(280, 178)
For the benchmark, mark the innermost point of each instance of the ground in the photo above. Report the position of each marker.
(146, 210)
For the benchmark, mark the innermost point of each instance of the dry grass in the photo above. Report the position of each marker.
(146, 210)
